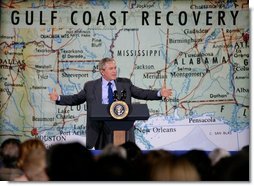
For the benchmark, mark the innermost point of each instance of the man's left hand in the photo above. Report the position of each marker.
(166, 92)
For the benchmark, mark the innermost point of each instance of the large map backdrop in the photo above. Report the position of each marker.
(200, 49)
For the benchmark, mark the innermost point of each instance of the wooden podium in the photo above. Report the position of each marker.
(100, 112)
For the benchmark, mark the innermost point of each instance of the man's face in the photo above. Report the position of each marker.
(109, 72)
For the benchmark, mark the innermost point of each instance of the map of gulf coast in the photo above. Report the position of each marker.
(199, 49)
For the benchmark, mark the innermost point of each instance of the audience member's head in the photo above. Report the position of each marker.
(70, 162)
(174, 168)
(201, 161)
(245, 150)
(217, 154)
(32, 160)
(133, 151)
(110, 150)
(152, 159)
(232, 168)
(113, 167)
(9, 152)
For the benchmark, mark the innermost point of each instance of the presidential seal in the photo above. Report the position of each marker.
(119, 110)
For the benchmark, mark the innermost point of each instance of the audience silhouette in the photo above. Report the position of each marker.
(31, 161)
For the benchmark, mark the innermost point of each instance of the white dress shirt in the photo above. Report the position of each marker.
(105, 90)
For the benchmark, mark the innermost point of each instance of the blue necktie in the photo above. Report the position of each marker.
(110, 93)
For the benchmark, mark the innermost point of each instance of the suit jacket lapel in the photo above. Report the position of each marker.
(119, 88)
(98, 90)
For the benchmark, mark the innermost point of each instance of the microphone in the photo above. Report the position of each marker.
(123, 94)
(115, 96)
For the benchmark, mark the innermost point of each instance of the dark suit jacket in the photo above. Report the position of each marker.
(92, 93)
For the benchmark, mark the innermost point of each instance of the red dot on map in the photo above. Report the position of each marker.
(34, 132)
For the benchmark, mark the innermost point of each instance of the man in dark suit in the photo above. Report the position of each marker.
(96, 92)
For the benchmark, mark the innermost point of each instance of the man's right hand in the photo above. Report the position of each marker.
(53, 95)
